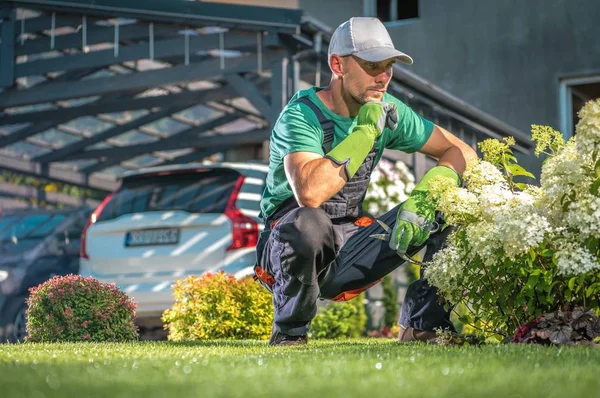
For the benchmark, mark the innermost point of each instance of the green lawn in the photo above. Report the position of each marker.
(359, 368)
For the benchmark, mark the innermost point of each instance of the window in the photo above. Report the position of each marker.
(201, 191)
(574, 93)
(391, 10)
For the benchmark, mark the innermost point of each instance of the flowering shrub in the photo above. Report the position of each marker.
(389, 186)
(74, 308)
(518, 250)
(340, 320)
(219, 306)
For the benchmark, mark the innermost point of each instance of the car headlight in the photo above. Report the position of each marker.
(3, 275)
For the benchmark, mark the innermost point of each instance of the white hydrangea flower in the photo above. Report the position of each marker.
(519, 226)
(484, 241)
(492, 198)
(459, 205)
(446, 270)
(584, 215)
(572, 259)
(588, 128)
(481, 174)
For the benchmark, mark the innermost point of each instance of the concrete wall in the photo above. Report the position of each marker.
(504, 57)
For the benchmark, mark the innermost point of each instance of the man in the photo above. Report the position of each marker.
(322, 151)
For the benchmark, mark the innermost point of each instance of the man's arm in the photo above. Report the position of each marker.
(313, 178)
(449, 150)
(415, 217)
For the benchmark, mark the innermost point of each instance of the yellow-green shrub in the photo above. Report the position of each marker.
(340, 320)
(219, 306)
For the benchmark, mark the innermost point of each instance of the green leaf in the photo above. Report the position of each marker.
(594, 188)
(597, 169)
(592, 289)
(568, 295)
(532, 255)
(532, 281)
(522, 186)
(571, 283)
(517, 170)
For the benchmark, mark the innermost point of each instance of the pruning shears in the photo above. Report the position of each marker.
(387, 236)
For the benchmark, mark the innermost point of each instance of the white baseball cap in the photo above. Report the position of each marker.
(366, 38)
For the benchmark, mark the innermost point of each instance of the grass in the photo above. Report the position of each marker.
(358, 368)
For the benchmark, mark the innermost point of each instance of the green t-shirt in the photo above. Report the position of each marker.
(298, 130)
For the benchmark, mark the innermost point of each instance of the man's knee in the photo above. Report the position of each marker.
(307, 230)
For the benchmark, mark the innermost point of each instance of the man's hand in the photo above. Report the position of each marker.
(415, 219)
(414, 222)
(379, 115)
(372, 118)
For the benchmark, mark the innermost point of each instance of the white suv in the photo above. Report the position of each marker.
(165, 223)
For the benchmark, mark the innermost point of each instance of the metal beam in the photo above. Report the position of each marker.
(29, 193)
(44, 22)
(7, 47)
(195, 156)
(56, 173)
(279, 95)
(251, 92)
(122, 153)
(34, 129)
(209, 69)
(180, 12)
(62, 153)
(162, 49)
(95, 35)
(235, 139)
(95, 108)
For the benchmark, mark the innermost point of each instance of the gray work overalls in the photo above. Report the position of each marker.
(309, 253)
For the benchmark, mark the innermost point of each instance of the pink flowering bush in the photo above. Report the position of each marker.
(76, 308)
(390, 185)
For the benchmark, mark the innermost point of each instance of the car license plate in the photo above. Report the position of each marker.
(151, 237)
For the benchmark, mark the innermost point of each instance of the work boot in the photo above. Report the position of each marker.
(282, 339)
(409, 334)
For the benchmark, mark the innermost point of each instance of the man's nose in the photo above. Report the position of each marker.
(384, 76)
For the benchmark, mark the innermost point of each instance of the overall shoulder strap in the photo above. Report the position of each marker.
(326, 124)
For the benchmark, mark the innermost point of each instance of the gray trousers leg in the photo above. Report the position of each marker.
(311, 258)
(300, 246)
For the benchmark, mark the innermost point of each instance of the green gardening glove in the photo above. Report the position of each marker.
(415, 219)
(379, 115)
(372, 118)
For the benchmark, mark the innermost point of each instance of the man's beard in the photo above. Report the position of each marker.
(360, 99)
(363, 98)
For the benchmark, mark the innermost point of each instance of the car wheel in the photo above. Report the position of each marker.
(13, 321)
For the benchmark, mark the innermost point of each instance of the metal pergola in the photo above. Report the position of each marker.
(92, 88)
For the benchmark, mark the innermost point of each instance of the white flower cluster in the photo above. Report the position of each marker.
(573, 259)
(494, 217)
(446, 271)
(390, 185)
(588, 128)
(500, 223)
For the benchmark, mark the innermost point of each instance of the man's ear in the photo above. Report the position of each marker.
(336, 64)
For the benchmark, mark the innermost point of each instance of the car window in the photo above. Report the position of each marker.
(24, 232)
(31, 226)
(205, 191)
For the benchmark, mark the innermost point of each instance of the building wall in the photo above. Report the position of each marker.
(504, 57)
(332, 12)
(264, 3)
